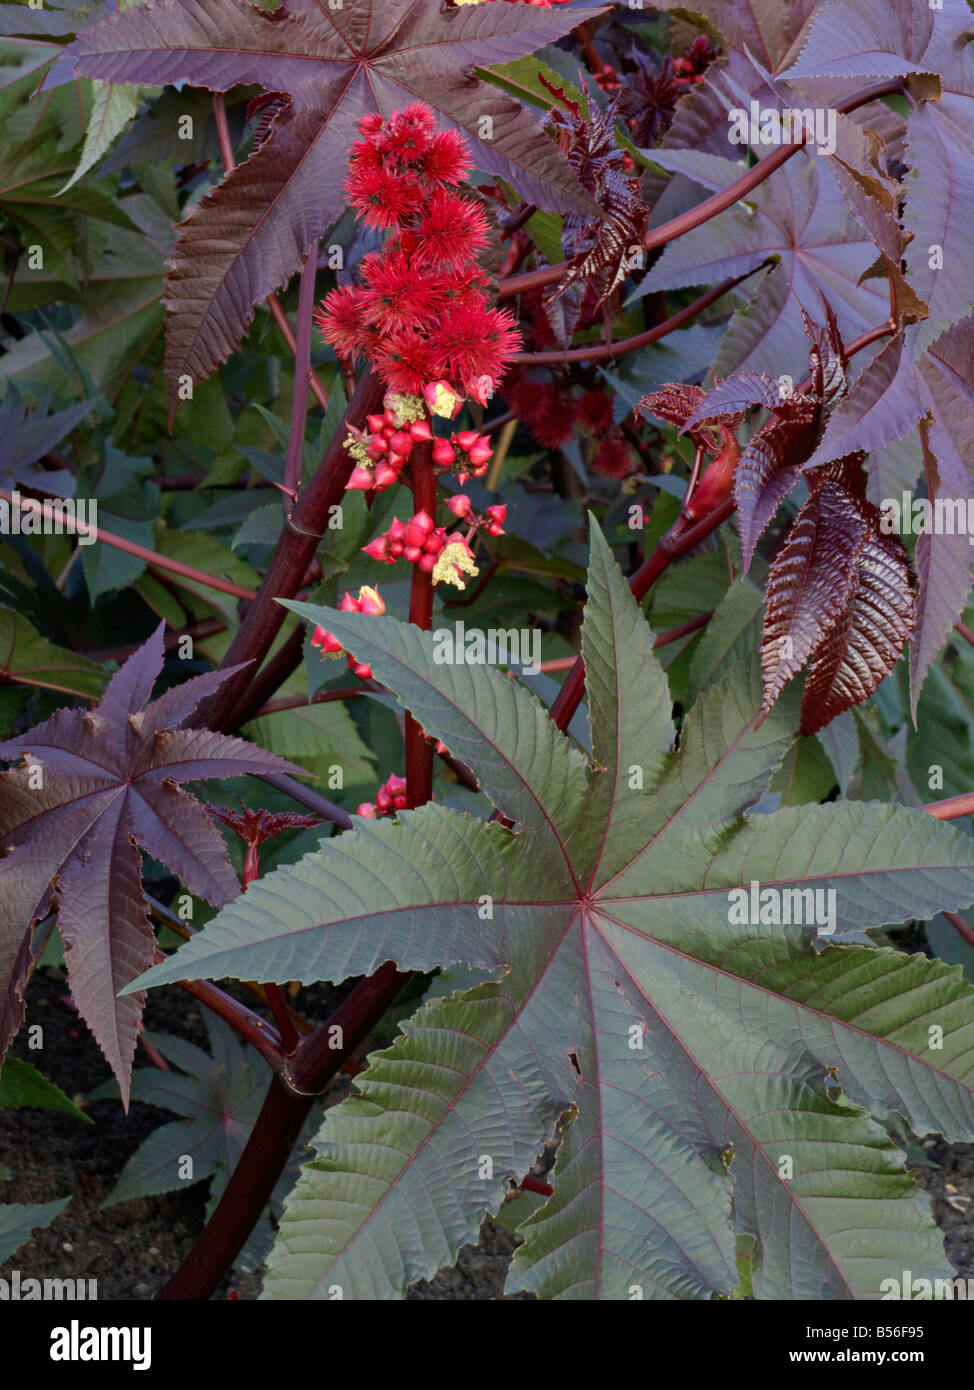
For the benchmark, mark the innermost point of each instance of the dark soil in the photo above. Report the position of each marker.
(133, 1247)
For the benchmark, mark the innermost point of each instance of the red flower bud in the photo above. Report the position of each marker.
(420, 430)
(360, 480)
(717, 483)
(459, 505)
(427, 563)
(401, 443)
(349, 604)
(378, 549)
(466, 439)
(498, 512)
(385, 476)
(443, 453)
(370, 602)
(412, 553)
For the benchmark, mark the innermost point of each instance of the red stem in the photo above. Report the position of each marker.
(605, 352)
(710, 207)
(151, 557)
(295, 550)
(959, 925)
(323, 697)
(302, 366)
(419, 750)
(952, 808)
(286, 1107)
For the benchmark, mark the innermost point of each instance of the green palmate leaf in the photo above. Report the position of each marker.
(18, 1221)
(732, 633)
(24, 1087)
(655, 1000)
(27, 657)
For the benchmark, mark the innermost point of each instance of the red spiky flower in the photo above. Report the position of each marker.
(420, 312)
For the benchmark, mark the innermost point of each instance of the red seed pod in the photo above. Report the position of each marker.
(435, 541)
(375, 423)
(349, 604)
(479, 455)
(378, 549)
(462, 477)
(383, 800)
(399, 802)
(360, 480)
(377, 446)
(465, 439)
(412, 553)
(401, 442)
(385, 476)
(495, 529)
(318, 636)
(443, 453)
(460, 505)
(498, 512)
(395, 784)
(420, 430)
(397, 530)
(370, 602)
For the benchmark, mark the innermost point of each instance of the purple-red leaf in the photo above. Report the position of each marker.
(769, 468)
(840, 595)
(93, 788)
(866, 643)
(810, 585)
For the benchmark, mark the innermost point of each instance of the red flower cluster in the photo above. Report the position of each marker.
(390, 797)
(691, 69)
(386, 448)
(369, 602)
(420, 312)
(420, 540)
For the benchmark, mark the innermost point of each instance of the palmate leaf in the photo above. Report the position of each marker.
(248, 236)
(856, 39)
(682, 1053)
(798, 216)
(218, 1095)
(93, 788)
